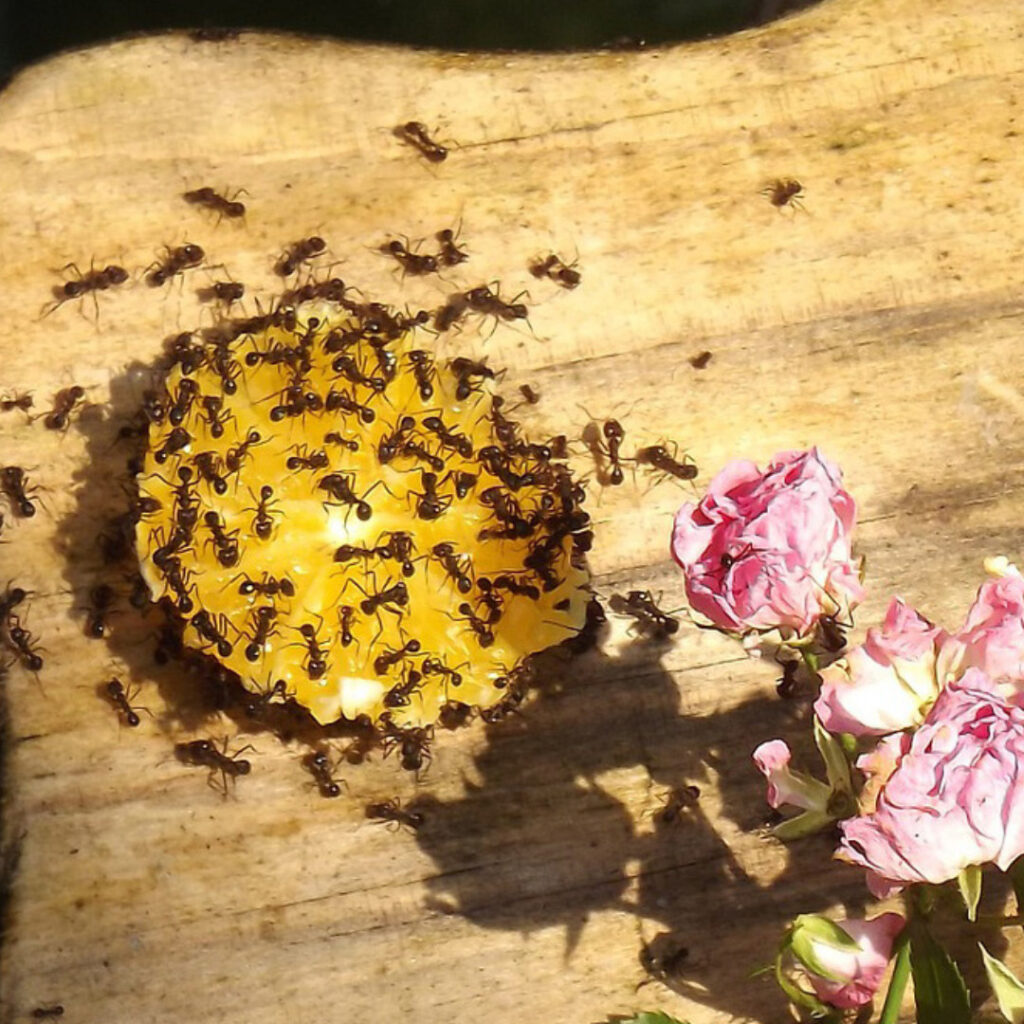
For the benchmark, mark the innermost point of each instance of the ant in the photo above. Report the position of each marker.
(319, 766)
(226, 292)
(64, 403)
(348, 368)
(22, 641)
(482, 300)
(13, 483)
(450, 255)
(552, 267)
(204, 753)
(509, 583)
(391, 812)
(463, 369)
(213, 631)
(388, 658)
(270, 586)
(93, 281)
(658, 458)
(609, 446)
(345, 615)
(531, 396)
(699, 361)
(304, 459)
(649, 617)
(464, 482)
(178, 409)
(455, 566)
(449, 438)
(504, 429)
(783, 191)
(233, 458)
(335, 437)
(263, 522)
(178, 439)
(455, 714)
(17, 400)
(343, 400)
(831, 634)
(413, 743)
(448, 315)
(300, 252)
(339, 487)
(436, 667)
(264, 626)
(414, 133)
(211, 200)
(177, 260)
(400, 695)
(255, 705)
(416, 451)
(484, 634)
(586, 638)
(225, 542)
(396, 594)
(787, 684)
(209, 466)
(121, 700)
(400, 547)
(423, 370)
(414, 264)
(101, 598)
(390, 444)
(678, 801)
(316, 664)
(176, 576)
(429, 504)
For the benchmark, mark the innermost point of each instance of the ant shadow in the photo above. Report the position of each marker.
(540, 839)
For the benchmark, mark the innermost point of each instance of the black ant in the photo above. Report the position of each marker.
(482, 300)
(586, 638)
(455, 566)
(552, 266)
(348, 552)
(177, 440)
(178, 409)
(101, 598)
(436, 667)
(64, 403)
(204, 753)
(505, 430)
(319, 766)
(391, 812)
(212, 631)
(464, 482)
(255, 705)
(263, 521)
(211, 200)
(270, 586)
(339, 487)
(299, 252)
(455, 714)
(209, 466)
(423, 369)
(414, 264)
(390, 444)
(227, 292)
(787, 684)
(509, 583)
(12, 597)
(448, 315)
(225, 542)
(345, 615)
(177, 576)
(400, 695)
(349, 369)
(93, 281)
(400, 547)
(14, 484)
(609, 446)
(449, 438)
(177, 260)
(262, 628)
(121, 700)
(783, 191)
(727, 559)
(233, 458)
(316, 664)
(414, 133)
(831, 634)
(343, 400)
(497, 462)
(640, 605)
(658, 458)
(531, 396)
(305, 459)
(429, 504)
(17, 400)
(678, 801)
(385, 660)
(395, 594)
(483, 631)
(413, 743)
(450, 255)
(417, 451)
(22, 642)
(335, 437)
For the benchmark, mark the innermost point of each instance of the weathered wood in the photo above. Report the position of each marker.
(881, 322)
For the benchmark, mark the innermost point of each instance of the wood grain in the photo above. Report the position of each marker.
(881, 322)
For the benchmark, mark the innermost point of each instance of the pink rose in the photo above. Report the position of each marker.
(886, 684)
(841, 976)
(771, 549)
(786, 786)
(955, 798)
(992, 638)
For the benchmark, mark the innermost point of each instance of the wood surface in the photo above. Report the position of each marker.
(882, 322)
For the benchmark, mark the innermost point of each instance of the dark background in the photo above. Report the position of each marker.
(32, 29)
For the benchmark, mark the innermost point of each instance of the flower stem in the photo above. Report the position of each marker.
(898, 983)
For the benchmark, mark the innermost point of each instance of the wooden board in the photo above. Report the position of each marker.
(882, 322)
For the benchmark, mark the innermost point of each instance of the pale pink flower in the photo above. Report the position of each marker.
(786, 786)
(992, 637)
(888, 682)
(765, 550)
(853, 977)
(955, 798)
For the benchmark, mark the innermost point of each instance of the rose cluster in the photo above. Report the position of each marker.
(921, 730)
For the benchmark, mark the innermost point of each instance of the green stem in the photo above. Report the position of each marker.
(898, 984)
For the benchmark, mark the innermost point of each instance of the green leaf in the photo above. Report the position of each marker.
(837, 766)
(1006, 986)
(969, 881)
(939, 990)
(652, 1017)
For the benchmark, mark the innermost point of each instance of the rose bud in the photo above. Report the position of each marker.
(770, 550)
